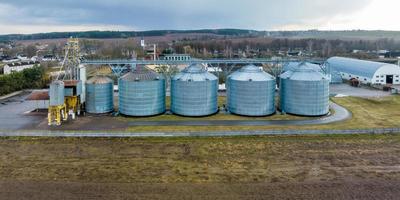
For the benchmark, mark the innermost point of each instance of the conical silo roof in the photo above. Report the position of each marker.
(194, 72)
(99, 80)
(304, 72)
(142, 73)
(251, 73)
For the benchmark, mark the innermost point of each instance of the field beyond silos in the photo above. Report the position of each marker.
(273, 167)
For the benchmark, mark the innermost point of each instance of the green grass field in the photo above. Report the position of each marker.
(367, 113)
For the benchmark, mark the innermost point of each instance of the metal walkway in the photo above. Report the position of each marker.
(192, 61)
(119, 66)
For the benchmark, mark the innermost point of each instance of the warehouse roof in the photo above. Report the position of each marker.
(37, 95)
(21, 63)
(359, 67)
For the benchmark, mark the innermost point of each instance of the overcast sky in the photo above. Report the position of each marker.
(32, 16)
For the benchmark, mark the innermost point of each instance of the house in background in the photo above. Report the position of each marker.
(18, 66)
(49, 57)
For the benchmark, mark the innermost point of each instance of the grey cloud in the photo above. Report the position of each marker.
(178, 14)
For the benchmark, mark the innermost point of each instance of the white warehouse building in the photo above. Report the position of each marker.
(18, 66)
(367, 72)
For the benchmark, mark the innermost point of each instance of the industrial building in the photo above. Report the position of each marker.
(73, 91)
(176, 57)
(304, 91)
(68, 92)
(251, 92)
(194, 92)
(366, 72)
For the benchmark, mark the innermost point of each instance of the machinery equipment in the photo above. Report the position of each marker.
(67, 89)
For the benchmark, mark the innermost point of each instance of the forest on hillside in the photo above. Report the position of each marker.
(315, 34)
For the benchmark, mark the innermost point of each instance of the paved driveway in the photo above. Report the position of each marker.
(347, 90)
(12, 111)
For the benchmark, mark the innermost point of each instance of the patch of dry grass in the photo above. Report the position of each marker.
(200, 160)
(367, 113)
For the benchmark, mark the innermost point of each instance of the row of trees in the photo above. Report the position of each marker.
(121, 34)
(116, 49)
(263, 47)
(33, 78)
(268, 46)
(209, 46)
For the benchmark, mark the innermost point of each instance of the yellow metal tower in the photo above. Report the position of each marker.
(71, 59)
(72, 86)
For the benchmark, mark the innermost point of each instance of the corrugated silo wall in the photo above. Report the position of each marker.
(308, 98)
(56, 94)
(99, 98)
(141, 98)
(251, 98)
(194, 98)
(336, 78)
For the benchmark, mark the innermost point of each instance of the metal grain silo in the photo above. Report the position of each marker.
(56, 93)
(141, 93)
(304, 91)
(251, 92)
(194, 92)
(99, 95)
(336, 77)
(293, 65)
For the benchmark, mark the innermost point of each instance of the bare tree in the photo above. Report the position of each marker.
(310, 45)
(327, 49)
(167, 71)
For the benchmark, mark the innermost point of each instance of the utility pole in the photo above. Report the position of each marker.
(154, 52)
(144, 45)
